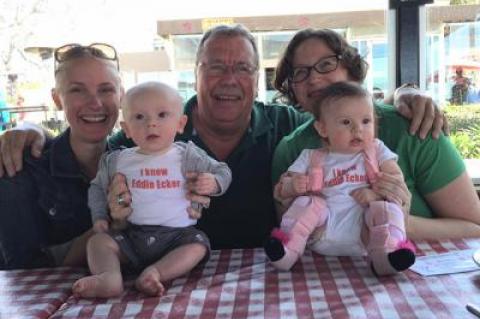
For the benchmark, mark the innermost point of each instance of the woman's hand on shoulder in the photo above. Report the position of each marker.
(424, 113)
(12, 144)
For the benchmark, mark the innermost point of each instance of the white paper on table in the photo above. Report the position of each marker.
(445, 263)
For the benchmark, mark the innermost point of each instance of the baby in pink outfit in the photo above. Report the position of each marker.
(333, 209)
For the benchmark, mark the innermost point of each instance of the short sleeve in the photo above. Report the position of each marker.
(384, 153)
(436, 164)
(301, 163)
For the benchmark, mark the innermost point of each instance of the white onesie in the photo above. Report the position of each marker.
(157, 186)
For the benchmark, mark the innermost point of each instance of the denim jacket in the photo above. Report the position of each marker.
(43, 205)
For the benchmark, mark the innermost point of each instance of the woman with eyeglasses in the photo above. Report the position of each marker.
(443, 201)
(44, 218)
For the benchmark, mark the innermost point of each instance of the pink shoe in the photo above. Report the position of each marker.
(280, 256)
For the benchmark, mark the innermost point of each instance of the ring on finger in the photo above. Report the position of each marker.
(120, 200)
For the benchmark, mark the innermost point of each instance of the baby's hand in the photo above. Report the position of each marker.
(100, 226)
(364, 196)
(193, 214)
(206, 184)
(300, 184)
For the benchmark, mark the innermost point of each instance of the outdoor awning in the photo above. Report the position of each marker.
(154, 61)
(465, 64)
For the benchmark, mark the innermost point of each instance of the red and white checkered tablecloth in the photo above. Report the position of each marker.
(35, 293)
(240, 284)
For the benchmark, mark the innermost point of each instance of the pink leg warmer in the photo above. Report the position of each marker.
(304, 215)
(388, 249)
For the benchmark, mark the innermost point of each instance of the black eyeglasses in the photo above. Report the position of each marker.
(324, 65)
(75, 50)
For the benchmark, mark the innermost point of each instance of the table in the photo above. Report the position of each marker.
(240, 284)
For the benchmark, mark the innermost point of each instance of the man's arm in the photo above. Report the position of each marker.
(423, 112)
(13, 142)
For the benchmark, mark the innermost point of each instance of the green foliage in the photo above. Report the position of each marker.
(468, 147)
(460, 2)
(464, 123)
(461, 117)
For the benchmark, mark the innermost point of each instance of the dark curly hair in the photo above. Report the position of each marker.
(355, 64)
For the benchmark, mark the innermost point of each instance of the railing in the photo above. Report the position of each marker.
(25, 109)
(21, 109)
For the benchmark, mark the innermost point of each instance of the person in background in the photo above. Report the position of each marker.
(443, 200)
(159, 240)
(4, 115)
(20, 103)
(460, 88)
(225, 120)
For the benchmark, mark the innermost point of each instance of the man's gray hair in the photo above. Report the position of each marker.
(229, 31)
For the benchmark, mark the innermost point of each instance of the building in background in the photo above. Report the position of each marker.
(451, 40)
(452, 36)
(365, 29)
(453, 43)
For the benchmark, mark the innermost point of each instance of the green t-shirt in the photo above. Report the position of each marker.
(243, 216)
(427, 165)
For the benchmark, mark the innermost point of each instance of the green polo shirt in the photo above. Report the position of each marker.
(245, 214)
(427, 165)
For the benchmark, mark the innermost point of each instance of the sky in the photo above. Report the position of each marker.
(131, 25)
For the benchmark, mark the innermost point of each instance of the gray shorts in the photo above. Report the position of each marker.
(143, 245)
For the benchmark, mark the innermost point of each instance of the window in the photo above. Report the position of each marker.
(453, 53)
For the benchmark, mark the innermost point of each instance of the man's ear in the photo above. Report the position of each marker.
(56, 99)
(320, 128)
(124, 127)
(182, 121)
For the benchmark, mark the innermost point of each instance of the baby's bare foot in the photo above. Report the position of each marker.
(101, 285)
(149, 282)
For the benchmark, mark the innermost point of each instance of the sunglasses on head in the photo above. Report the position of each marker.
(75, 50)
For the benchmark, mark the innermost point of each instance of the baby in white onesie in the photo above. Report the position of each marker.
(160, 239)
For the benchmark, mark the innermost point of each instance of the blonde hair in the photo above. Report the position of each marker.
(65, 65)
